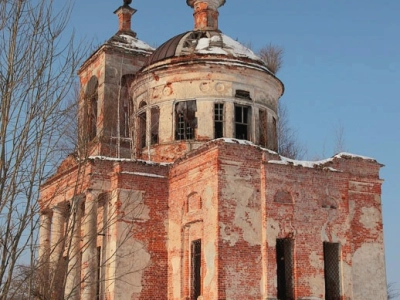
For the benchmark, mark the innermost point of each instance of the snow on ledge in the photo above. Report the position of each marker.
(147, 162)
(312, 164)
(144, 174)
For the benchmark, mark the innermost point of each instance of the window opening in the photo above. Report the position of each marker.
(331, 271)
(263, 123)
(126, 104)
(241, 122)
(142, 129)
(186, 120)
(155, 122)
(284, 262)
(196, 269)
(218, 120)
(92, 101)
(242, 94)
(275, 134)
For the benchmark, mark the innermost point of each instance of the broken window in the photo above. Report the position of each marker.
(284, 262)
(155, 122)
(218, 120)
(196, 269)
(186, 121)
(241, 122)
(142, 125)
(331, 271)
(263, 128)
(242, 94)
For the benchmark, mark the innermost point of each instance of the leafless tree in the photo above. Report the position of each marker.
(288, 144)
(392, 291)
(272, 55)
(37, 69)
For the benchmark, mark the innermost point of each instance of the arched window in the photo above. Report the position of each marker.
(125, 105)
(142, 122)
(91, 99)
(155, 122)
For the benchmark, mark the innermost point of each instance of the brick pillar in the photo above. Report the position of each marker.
(73, 281)
(205, 13)
(89, 254)
(125, 14)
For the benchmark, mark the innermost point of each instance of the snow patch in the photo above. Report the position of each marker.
(131, 43)
(147, 162)
(144, 174)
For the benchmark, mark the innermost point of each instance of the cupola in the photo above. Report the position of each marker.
(202, 85)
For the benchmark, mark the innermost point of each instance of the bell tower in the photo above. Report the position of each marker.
(105, 102)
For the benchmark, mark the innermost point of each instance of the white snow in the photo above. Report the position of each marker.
(147, 162)
(303, 163)
(238, 49)
(144, 174)
(311, 164)
(230, 47)
(133, 44)
(203, 43)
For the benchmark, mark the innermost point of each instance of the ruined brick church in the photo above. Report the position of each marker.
(177, 191)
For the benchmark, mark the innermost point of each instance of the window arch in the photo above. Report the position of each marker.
(91, 99)
(125, 104)
(142, 122)
(155, 122)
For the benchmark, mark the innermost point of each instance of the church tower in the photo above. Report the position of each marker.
(105, 106)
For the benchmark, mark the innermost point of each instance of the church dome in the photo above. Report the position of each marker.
(209, 42)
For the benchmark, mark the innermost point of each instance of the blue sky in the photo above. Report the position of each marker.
(341, 66)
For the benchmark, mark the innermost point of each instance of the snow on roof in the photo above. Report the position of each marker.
(208, 45)
(131, 43)
(147, 162)
(311, 164)
(303, 163)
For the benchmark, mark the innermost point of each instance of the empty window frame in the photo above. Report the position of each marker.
(142, 122)
(263, 127)
(125, 105)
(155, 123)
(92, 97)
(242, 94)
(195, 269)
(332, 270)
(275, 134)
(284, 269)
(218, 120)
(185, 120)
(242, 122)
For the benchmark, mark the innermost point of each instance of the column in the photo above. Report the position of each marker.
(73, 280)
(57, 233)
(89, 255)
(44, 242)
